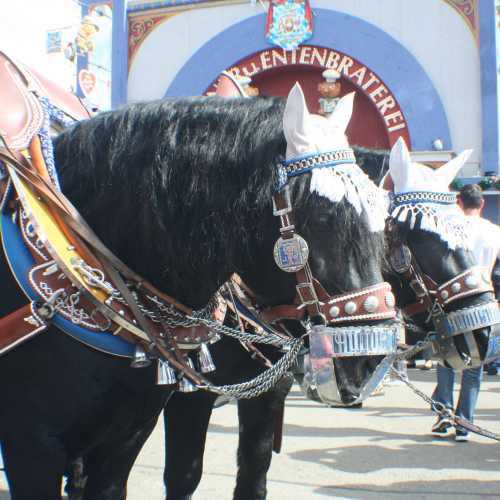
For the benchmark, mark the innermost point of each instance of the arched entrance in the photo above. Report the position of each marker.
(377, 118)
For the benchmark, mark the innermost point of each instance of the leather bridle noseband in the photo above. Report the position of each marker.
(435, 298)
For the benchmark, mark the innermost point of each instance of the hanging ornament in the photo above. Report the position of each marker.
(289, 23)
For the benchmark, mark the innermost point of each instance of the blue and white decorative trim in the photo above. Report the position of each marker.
(21, 261)
(336, 176)
(298, 166)
(424, 197)
(437, 213)
(52, 114)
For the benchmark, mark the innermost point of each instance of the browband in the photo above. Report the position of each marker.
(305, 164)
(424, 197)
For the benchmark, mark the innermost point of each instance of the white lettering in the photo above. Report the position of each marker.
(305, 54)
(371, 80)
(397, 127)
(344, 65)
(333, 60)
(359, 75)
(265, 60)
(254, 69)
(281, 57)
(397, 119)
(321, 58)
(385, 104)
(381, 89)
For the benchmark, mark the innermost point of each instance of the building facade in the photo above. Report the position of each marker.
(423, 70)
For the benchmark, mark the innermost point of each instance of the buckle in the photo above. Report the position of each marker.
(309, 289)
(418, 286)
(285, 193)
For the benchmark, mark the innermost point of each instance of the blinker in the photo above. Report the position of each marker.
(400, 259)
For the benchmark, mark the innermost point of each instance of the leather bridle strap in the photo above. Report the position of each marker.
(305, 281)
(371, 303)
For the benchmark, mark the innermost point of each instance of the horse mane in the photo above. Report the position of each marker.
(181, 189)
(373, 162)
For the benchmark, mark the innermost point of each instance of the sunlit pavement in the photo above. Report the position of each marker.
(383, 450)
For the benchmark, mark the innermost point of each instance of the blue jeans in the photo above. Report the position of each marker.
(469, 390)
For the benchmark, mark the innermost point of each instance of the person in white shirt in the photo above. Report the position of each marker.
(486, 248)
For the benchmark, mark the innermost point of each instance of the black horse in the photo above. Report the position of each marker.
(181, 191)
(184, 457)
(187, 416)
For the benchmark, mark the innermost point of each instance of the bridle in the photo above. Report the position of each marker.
(324, 312)
(435, 298)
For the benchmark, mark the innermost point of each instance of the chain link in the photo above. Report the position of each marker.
(442, 411)
(263, 382)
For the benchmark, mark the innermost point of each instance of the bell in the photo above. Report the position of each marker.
(140, 359)
(165, 375)
(207, 364)
(185, 385)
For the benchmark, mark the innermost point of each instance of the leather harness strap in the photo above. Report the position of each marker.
(370, 303)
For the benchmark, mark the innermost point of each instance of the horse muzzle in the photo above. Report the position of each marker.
(334, 349)
(468, 337)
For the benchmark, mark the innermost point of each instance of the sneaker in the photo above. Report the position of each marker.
(492, 370)
(442, 427)
(461, 435)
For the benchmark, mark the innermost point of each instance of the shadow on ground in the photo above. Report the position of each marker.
(464, 489)
(422, 454)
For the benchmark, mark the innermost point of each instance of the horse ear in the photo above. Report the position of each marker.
(449, 170)
(399, 165)
(295, 115)
(342, 113)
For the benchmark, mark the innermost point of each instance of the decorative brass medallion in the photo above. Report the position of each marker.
(400, 259)
(291, 254)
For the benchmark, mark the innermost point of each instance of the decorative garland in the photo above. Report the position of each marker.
(485, 183)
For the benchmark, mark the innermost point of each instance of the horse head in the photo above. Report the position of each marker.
(338, 217)
(442, 288)
(188, 187)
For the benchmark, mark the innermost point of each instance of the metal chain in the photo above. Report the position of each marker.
(442, 411)
(263, 382)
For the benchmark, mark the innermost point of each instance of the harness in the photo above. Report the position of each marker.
(73, 281)
(435, 298)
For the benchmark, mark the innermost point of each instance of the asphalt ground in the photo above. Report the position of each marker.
(381, 451)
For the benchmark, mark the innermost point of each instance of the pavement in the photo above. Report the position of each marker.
(381, 451)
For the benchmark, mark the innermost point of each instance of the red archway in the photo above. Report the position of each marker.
(377, 120)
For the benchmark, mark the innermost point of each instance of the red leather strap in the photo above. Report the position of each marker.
(20, 326)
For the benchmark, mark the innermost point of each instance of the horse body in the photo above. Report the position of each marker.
(181, 191)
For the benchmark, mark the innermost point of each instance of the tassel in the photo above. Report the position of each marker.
(207, 364)
(185, 385)
(140, 359)
(165, 375)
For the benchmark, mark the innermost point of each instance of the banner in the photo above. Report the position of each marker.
(289, 23)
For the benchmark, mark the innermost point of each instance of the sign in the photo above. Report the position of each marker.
(87, 81)
(289, 23)
(359, 74)
(54, 41)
